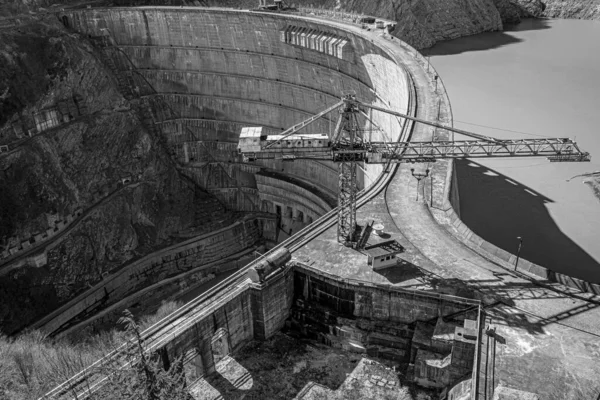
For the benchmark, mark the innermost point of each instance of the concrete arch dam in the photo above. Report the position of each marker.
(228, 69)
(206, 73)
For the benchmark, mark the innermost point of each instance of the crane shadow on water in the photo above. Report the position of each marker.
(499, 209)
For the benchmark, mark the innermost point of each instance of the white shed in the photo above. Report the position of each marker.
(384, 254)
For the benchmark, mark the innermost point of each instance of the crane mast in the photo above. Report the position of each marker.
(347, 147)
(347, 133)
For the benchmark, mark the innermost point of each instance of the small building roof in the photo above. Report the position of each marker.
(384, 249)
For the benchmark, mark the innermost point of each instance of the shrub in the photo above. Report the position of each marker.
(32, 364)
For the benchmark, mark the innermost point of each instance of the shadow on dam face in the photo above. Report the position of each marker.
(499, 209)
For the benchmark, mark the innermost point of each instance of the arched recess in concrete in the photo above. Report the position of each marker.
(193, 365)
(220, 345)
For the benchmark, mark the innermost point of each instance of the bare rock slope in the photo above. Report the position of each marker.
(578, 9)
(420, 22)
(99, 158)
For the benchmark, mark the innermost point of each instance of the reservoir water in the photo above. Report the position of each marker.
(540, 78)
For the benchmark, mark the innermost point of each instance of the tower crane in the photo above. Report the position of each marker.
(348, 147)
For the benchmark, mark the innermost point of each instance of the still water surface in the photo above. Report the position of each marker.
(541, 77)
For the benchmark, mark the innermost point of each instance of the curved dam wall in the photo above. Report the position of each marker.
(447, 212)
(220, 70)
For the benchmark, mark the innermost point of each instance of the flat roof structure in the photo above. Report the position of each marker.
(390, 247)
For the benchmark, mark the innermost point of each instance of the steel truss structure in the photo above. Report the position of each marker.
(348, 147)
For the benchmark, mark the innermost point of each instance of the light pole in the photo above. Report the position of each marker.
(518, 251)
(419, 176)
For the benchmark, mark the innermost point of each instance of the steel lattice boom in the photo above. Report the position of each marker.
(348, 147)
(563, 148)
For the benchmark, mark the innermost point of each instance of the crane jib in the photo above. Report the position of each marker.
(349, 146)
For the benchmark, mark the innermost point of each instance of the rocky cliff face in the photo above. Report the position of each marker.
(90, 154)
(512, 11)
(421, 23)
(579, 9)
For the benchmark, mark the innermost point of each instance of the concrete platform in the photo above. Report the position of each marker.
(551, 333)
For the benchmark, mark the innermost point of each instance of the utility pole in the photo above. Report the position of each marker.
(419, 176)
(520, 239)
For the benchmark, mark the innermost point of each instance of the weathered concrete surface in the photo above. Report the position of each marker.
(539, 319)
(152, 269)
(226, 69)
(369, 380)
(287, 368)
(374, 302)
(438, 261)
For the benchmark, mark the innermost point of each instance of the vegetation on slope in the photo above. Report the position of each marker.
(80, 164)
(33, 364)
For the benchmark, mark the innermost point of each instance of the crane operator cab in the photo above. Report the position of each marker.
(255, 144)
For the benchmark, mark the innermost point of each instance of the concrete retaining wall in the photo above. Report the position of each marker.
(373, 301)
(181, 257)
(272, 302)
(245, 312)
(231, 315)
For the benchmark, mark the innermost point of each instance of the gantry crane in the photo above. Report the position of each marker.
(347, 146)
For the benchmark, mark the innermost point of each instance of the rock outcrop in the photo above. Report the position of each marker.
(577, 9)
(97, 157)
(421, 23)
(512, 11)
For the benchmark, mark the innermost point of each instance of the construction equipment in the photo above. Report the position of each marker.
(348, 147)
(278, 5)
